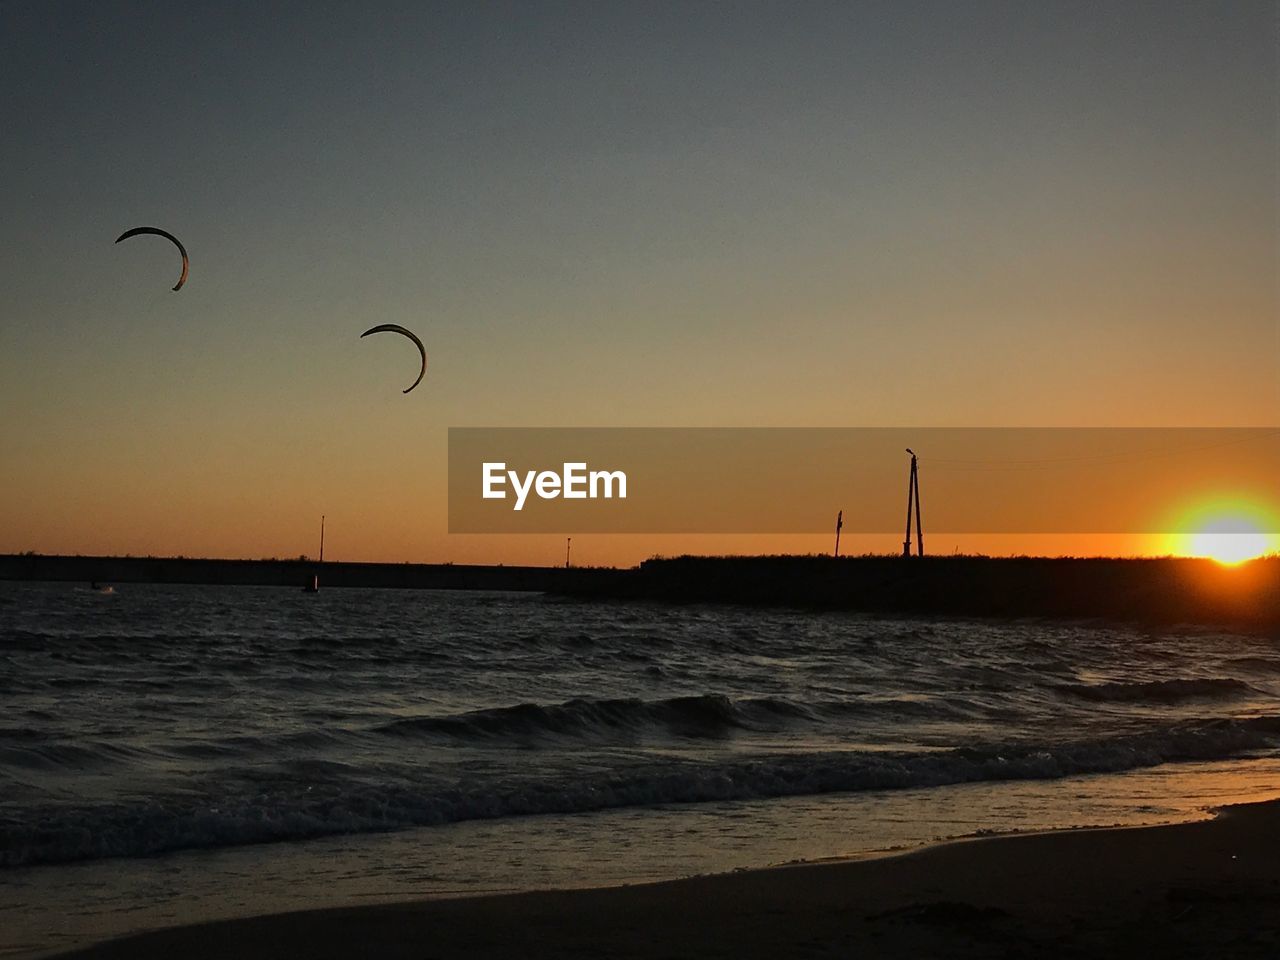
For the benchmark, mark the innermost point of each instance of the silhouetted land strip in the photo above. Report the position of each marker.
(1163, 589)
(284, 573)
(1157, 590)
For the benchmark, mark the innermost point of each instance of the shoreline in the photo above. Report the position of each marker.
(1203, 888)
(67, 906)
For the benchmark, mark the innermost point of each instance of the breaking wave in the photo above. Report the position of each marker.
(357, 805)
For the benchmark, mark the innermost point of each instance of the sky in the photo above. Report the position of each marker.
(603, 214)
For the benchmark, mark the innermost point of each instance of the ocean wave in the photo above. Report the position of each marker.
(358, 805)
(1256, 664)
(708, 716)
(31, 754)
(1160, 691)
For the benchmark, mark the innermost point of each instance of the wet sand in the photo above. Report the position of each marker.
(1206, 889)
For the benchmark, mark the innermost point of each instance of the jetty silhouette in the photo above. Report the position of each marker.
(1167, 590)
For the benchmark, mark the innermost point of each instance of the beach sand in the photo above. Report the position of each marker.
(1205, 889)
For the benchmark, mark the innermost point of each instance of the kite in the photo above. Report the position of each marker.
(396, 328)
(136, 231)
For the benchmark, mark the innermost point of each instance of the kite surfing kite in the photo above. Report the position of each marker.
(396, 328)
(136, 231)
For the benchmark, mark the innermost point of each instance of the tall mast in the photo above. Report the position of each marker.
(322, 538)
(915, 480)
(911, 492)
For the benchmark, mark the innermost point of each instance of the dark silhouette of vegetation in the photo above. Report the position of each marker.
(1157, 589)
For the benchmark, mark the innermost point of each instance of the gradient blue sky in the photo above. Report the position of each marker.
(601, 214)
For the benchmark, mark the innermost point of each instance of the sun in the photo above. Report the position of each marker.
(1229, 546)
(1228, 533)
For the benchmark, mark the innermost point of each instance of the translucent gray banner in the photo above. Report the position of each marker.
(799, 480)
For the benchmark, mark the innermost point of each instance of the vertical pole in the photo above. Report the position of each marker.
(911, 489)
(322, 538)
(839, 524)
(915, 476)
(567, 542)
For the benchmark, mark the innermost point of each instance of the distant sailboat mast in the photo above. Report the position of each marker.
(314, 585)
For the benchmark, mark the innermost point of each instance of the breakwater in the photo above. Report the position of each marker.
(1158, 590)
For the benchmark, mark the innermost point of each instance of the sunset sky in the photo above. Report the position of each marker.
(852, 214)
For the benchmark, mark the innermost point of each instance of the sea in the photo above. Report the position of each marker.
(179, 753)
